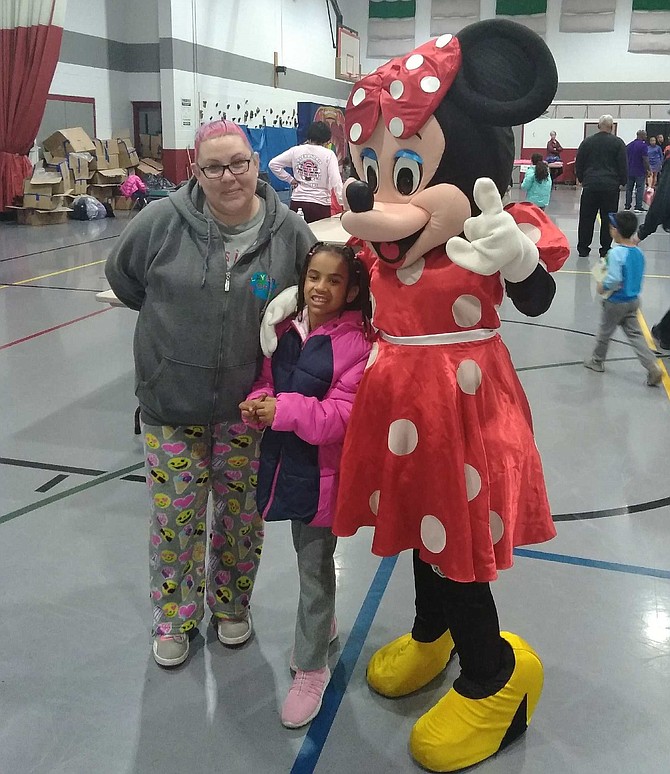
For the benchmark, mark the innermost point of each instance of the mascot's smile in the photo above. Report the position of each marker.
(394, 252)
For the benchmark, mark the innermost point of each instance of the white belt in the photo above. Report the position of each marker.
(433, 339)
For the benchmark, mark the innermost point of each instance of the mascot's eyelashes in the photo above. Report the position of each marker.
(407, 172)
(371, 169)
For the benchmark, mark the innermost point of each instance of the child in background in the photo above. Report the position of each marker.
(537, 182)
(625, 270)
(655, 156)
(303, 399)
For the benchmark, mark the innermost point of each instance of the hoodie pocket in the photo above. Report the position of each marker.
(178, 392)
(236, 383)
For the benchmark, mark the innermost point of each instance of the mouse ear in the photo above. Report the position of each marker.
(508, 75)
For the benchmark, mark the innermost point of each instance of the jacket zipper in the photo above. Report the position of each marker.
(226, 289)
(273, 487)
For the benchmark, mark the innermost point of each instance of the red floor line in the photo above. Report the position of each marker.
(55, 328)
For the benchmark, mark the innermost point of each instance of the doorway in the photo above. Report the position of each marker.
(147, 120)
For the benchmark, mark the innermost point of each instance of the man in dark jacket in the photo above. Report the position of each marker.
(659, 215)
(601, 168)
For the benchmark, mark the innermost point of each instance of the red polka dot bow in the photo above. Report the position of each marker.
(406, 90)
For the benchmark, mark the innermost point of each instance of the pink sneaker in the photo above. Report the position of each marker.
(304, 698)
(334, 634)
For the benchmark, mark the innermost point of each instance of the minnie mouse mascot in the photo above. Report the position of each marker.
(439, 455)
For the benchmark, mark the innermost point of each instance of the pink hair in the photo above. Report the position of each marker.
(218, 128)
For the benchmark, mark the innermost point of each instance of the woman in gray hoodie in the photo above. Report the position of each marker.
(201, 267)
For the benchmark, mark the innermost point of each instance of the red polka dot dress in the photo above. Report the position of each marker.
(440, 454)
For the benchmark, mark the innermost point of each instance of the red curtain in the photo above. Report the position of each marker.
(30, 37)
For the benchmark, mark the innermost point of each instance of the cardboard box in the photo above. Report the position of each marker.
(80, 187)
(109, 177)
(156, 146)
(65, 141)
(50, 159)
(149, 167)
(42, 202)
(103, 193)
(43, 189)
(122, 203)
(145, 145)
(30, 217)
(107, 154)
(127, 154)
(80, 166)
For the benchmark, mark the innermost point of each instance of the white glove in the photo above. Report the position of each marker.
(494, 241)
(279, 309)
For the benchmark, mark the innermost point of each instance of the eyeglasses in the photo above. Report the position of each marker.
(216, 171)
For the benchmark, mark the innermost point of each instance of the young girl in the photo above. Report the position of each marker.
(303, 399)
(537, 182)
(655, 156)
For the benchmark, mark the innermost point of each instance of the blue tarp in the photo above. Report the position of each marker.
(268, 142)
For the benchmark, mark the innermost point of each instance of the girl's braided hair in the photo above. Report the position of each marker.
(357, 277)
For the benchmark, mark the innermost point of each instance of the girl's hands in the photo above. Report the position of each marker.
(265, 411)
(260, 411)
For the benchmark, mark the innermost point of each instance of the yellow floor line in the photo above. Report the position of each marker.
(652, 345)
(53, 274)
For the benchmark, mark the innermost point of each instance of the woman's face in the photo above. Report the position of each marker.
(230, 197)
(652, 141)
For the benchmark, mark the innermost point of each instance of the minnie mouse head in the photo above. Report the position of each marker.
(424, 127)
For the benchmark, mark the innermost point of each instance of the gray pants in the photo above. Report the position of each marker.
(625, 315)
(314, 547)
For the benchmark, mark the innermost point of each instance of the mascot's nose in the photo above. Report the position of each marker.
(360, 196)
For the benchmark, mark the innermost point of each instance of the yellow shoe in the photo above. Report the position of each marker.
(405, 665)
(459, 732)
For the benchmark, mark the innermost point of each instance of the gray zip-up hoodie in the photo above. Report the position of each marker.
(196, 344)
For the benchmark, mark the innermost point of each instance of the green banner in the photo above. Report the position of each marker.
(392, 9)
(520, 7)
(651, 5)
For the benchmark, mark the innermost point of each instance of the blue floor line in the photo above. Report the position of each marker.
(630, 569)
(315, 739)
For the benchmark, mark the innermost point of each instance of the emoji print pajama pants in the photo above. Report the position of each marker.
(183, 464)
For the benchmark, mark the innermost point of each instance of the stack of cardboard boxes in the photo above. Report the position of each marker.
(74, 165)
(151, 146)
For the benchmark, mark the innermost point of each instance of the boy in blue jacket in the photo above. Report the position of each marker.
(625, 271)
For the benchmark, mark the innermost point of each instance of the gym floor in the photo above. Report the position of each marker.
(79, 690)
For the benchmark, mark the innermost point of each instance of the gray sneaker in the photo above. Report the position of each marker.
(655, 376)
(594, 365)
(170, 650)
(234, 631)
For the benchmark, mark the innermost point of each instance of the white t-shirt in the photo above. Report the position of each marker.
(315, 170)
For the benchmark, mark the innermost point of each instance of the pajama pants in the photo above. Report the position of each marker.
(183, 464)
(314, 547)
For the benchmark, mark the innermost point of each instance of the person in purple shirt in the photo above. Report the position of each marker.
(638, 167)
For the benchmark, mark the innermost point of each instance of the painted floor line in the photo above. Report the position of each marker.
(56, 249)
(54, 273)
(319, 729)
(54, 328)
(68, 492)
(597, 564)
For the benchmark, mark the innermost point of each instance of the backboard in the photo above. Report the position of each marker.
(348, 61)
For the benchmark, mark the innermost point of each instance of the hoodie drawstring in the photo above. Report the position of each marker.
(205, 263)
